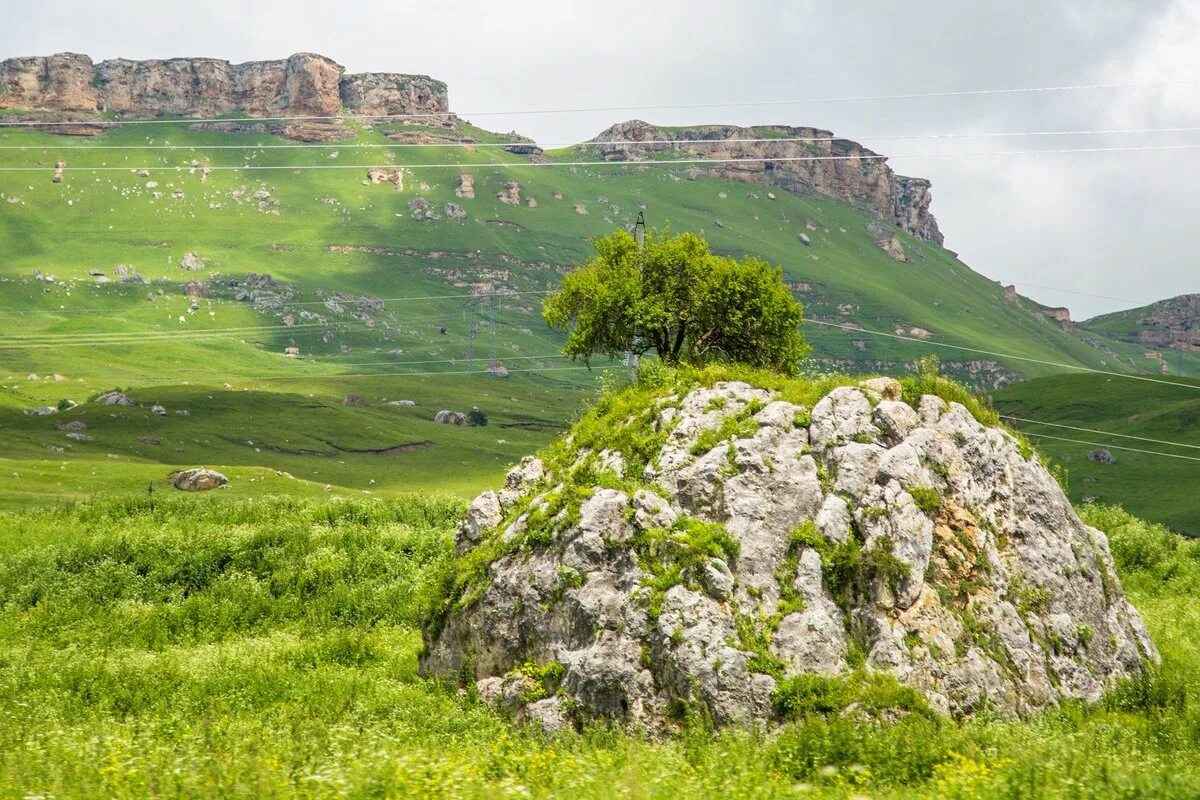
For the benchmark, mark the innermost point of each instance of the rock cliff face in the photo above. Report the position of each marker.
(738, 548)
(1168, 324)
(861, 178)
(304, 84)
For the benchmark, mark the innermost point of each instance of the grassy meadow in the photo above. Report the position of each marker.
(1158, 487)
(318, 231)
(267, 648)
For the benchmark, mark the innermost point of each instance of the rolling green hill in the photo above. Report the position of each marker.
(372, 286)
(1157, 487)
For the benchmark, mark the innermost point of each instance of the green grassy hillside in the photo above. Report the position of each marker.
(1156, 487)
(316, 229)
(268, 648)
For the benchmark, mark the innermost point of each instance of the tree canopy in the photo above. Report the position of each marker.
(677, 298)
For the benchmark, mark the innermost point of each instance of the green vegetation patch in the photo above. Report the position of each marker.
(874, 693)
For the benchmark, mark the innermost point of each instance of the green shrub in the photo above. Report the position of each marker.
(927, 498)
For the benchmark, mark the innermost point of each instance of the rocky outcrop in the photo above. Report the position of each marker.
(303, 85)
(856, 174)
(511, 193)
(197, 480)
(466, 186)
(1168, 324)
(887, 241)
(447, 417)
(759, 546)
(385, 94)
(115, 399)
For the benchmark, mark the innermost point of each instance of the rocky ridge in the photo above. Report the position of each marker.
(304, 84)
(861, 177)
(729, 550)
(1171, 324)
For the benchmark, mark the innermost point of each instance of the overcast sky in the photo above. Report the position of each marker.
(1117, 224)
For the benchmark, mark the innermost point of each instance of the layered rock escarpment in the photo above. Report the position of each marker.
(729, 550)
(1170, 324)
(303, 85)
(855, 174)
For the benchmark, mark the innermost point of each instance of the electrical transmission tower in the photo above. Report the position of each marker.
(481, 309)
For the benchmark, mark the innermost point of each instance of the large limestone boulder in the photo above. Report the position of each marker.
(739, 541)
(197, 480)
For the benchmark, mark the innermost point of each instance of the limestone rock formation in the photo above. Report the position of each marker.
(1172, 324)
(304, 84)
(383, 94)
(447, 417)
(858, 175)
(197, 480)
(466, 186)
(887, 240)
(511, 193)
(191, 261)
(392, 176)
(115, 399)
(709, 549)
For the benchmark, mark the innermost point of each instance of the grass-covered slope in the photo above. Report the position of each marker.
(1154, 486)
(268, 649)
(317, 229)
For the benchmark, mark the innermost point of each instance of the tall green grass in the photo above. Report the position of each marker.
(268, 649)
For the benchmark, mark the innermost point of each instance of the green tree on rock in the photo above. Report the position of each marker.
(678, 299)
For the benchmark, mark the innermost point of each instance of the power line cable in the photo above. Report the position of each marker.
(1103, 433)
(677, 106)
(611, 142)
(122, 334)
(289, 304)
(1064, 365)
(1087, 294)
(344, 364)
(1112, 446)
(630, 162)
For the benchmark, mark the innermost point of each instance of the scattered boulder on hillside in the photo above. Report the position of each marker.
(43, 411)
(197, 480)
(454, 211)
(466, 186)
(115, 399)
(158, 410)
(59, 166)
(196, 290)
(804, 239)
(447, 417)
(757, 549)
(581, 209)
(353, 399)
(150, 440)
(882, 389)
(1102, 456)
(291, 352)
(511, 194)
(191, 261)
(78, 436)
(420, 209)
(393, 176)
(73, 425)
(887, 240)
(401, 403)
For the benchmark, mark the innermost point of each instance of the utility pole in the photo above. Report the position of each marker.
(639, 231)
